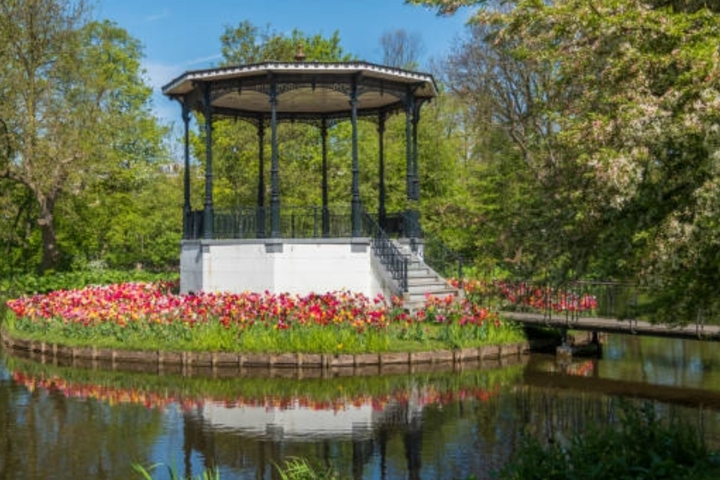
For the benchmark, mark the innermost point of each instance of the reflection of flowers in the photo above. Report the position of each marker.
(584, 369)
(112, 396)
(418, 396)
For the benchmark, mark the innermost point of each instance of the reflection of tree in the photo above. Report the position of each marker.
(557, 414)
(412, 438)
(362, 452)
(46, 431)
(10, 461)
(681, 363)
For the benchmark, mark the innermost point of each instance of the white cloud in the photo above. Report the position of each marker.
(160, 74)
(158, 16)
(208, 59)
(157, 75)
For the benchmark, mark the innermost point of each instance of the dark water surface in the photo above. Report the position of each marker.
(70, 423)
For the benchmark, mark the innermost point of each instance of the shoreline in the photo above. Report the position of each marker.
(282, 364)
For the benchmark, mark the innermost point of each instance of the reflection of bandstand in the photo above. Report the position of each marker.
(368, 430)
(298, 423)
(302, 249)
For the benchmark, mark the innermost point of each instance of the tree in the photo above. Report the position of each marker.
(246, 44)
(70, 88)
(401, 49)
(633, 114)
(448, 7)
(517, 167)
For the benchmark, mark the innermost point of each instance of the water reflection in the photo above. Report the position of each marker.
(46, 434)
(61, 422)
(365, 427)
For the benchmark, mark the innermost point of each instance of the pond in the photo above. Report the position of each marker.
(67, 423)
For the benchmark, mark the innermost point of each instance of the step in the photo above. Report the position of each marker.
(436, 290)
(426, 280)
(421, 273)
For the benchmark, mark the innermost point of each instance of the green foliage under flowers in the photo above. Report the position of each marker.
(642, 446)
(150, 316)
(31, 283)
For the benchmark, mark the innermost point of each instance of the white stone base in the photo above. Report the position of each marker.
(298, 266)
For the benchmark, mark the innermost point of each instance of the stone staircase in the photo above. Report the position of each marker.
(423, 281)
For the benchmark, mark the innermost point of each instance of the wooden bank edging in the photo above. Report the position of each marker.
(161, 359)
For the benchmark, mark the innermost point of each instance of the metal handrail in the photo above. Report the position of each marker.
(432, 250)
(390, 256)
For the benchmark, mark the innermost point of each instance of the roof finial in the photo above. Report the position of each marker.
(300, 55)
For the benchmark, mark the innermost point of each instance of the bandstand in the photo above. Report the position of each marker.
(282, 248)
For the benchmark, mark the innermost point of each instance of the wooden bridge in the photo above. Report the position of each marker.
(698, 331)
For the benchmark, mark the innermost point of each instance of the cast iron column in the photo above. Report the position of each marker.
(325, 212)
(416, 173)
(260, 214)
(409, 110)
(187, 209)
(356, 231)
(411, 214)
(274, 167)
(208, 213)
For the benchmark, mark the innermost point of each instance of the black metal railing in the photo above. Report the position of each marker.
(193, 225)
(432, 250)
(392, 259)
(255, 222)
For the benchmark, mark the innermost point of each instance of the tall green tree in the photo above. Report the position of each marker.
(247, 43)
(633, 121)
(72, 101)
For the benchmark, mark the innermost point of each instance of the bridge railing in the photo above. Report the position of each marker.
(572, 300)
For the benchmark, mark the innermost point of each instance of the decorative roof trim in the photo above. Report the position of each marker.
(296, 67)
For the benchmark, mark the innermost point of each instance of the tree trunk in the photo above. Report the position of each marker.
(50, 252)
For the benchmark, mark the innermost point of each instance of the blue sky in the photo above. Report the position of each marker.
(180, 35)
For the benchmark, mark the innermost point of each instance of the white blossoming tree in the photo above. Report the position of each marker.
(623, 131)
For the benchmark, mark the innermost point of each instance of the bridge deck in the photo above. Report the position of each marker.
(611, 325)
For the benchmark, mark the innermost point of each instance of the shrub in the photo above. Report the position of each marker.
(640, 447)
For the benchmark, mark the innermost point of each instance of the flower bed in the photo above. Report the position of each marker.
(150, 316)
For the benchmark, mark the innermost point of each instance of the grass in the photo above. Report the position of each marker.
(215, 337)
(300, 469)
(173, 474)
(292, 469)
